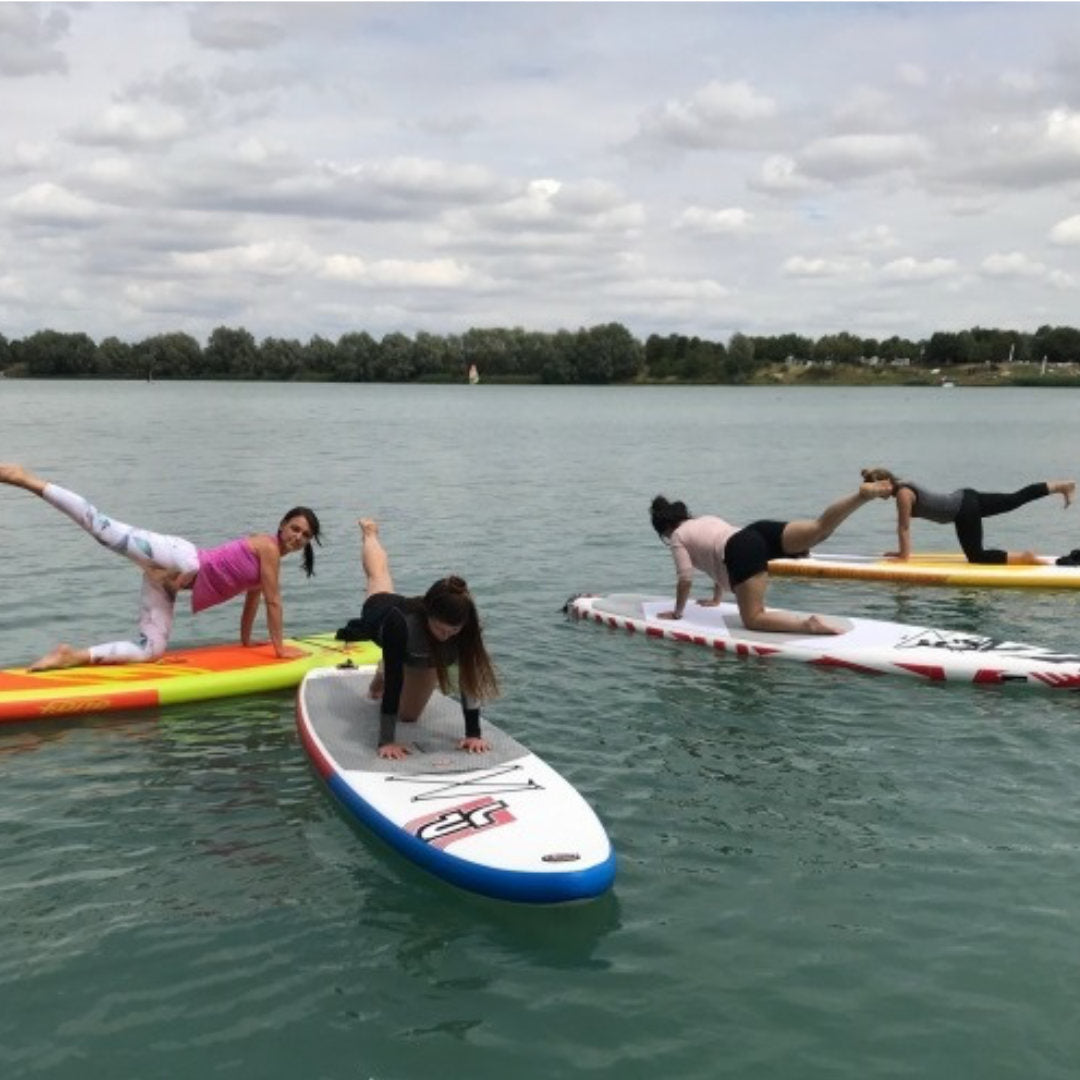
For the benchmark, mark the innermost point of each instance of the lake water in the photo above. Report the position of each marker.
(821, 875)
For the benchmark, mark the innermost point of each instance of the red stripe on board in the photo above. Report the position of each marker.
(929, 671)
(850, 665)
(318, 758)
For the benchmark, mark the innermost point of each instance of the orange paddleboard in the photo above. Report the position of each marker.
(211, 671)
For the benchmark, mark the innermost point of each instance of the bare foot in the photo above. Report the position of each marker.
(875, 489)
(17, 476)
(63, 656)
(369, 526)
(815, 624)
(1065, 488)
(1023, 558)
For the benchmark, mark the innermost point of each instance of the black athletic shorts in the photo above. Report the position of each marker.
(372, 616)
(748, 552)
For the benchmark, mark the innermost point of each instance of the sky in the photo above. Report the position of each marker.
(694, 168)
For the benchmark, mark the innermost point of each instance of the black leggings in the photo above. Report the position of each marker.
(977, 505)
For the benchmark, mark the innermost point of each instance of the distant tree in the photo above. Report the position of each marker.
(281, 359)
(5, 353)
(740, 358)
(322, 359)
(354, 360)
(842, 348)
(947, 349)
(1059, 344)
(898, 348)
(49, 352)
(396, 363)
(231, 354)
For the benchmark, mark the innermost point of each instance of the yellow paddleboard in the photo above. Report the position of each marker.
(931, 569)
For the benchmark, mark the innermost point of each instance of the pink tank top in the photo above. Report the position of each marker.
(224, 572)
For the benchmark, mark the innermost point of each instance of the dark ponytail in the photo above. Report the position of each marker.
(313, 524)
(666, 516)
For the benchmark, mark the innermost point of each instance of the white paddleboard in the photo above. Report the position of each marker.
(867, 645)
(504, 824)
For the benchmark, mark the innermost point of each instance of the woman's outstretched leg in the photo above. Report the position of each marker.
(801, 535)
(376, 565)
(990, 504)
(149, 550)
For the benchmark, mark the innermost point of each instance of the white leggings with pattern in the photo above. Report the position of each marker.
(154, 552)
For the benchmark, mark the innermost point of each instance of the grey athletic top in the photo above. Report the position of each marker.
(932, 505)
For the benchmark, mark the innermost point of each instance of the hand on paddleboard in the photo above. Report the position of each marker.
(474, 746)
(393, 751)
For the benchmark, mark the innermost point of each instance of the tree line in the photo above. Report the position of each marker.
(601, 354)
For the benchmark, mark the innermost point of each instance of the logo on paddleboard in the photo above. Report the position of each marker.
(460, 822)
(561, 856)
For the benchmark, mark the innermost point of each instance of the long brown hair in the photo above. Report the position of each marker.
(449, 601)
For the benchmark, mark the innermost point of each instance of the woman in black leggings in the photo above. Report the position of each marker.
(965, 508)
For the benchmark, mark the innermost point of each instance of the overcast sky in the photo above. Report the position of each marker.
(701, 168)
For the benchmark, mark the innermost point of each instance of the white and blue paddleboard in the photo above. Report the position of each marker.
(868, 645)
(503, 824)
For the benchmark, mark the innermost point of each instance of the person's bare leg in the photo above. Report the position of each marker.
(417, 687)
(801, 535)
(374, 559)
(750, 596)
(376, 565)
(63, 656)
(17, 476)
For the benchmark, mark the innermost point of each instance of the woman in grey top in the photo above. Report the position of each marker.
(964, 508)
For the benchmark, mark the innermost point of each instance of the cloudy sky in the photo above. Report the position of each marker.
(702, 168)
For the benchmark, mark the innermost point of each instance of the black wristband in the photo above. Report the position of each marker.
(472, 723)
(387, 726)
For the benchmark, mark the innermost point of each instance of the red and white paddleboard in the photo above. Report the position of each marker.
(868, 645)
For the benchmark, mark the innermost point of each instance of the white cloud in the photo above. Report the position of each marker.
(732, 219)
(1066, 231)
(398, 273)
(802, 266)
(709, 117)
(909, 269)
(780, 175)
(873, 238)
(844, 156)
(133, 126)
(50, 204)
(1013, 264)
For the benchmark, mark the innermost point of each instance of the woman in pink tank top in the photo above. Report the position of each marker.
(248, 565)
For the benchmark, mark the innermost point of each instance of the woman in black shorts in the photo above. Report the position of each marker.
(738, 559)
(420, 637)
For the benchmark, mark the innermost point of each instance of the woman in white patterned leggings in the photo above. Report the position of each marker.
(247, 565)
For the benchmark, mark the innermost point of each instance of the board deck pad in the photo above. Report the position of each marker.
(198, 674)
(504, 823)
(931, 569)
(868, 645)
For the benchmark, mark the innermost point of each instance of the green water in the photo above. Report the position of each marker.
(820, 874)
